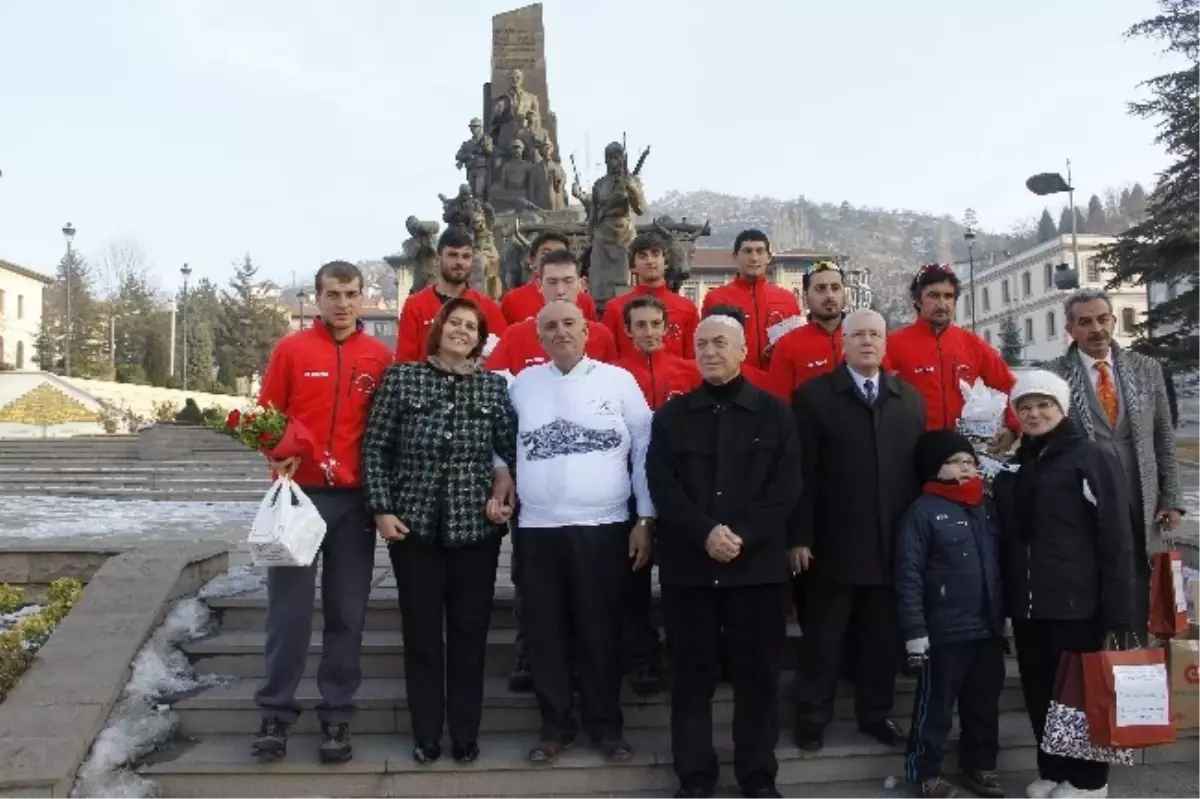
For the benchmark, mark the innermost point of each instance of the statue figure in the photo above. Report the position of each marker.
(485, 267)
(475, 155)
(681, 237)
(583, 197)
(420, 252)
(555, 176)
(461, 209)
(617, 199)
(520, 184)
(510, 108)
(531, 135)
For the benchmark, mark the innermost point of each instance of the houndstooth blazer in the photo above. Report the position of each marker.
(1149, 416)
(427, 453)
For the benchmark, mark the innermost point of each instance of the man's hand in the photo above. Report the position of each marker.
(503, 488)
(286, 467)
(799, 559)
(639, 544)
(1169, 518)
(497, 512)
(1002, 442)
(390, 527)
(723, 544)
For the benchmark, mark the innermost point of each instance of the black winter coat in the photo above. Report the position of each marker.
(858, 475)
(1066, 535)
(948, 571)
(736, 464)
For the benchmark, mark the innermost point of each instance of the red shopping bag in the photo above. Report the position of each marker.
(1127, 698)
(1168, 598)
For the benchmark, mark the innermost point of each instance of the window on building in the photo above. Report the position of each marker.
(1093, 271)
(1026, 283)
(1005, 296)
(20, 361)
(1, 302)
(1128, 320)
(1048, 276)
(381, 329)
(691, 293)
(987, 336)
(1051, 324)
(20, 306)
(1028, 330)
(987, 300)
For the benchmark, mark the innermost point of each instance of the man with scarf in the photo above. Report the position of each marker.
(947, 578)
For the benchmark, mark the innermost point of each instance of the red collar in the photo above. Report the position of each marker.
(967, 493)
(320, 329)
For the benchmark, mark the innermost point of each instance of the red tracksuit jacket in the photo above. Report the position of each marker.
(934, 364)
(526, 300)
(803, 354)
(418, 314)
(764, 304)
(327, 387)
(682, 318)
(660, 375)
(519, 348)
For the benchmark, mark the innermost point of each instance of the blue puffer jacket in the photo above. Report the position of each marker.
(947, 571)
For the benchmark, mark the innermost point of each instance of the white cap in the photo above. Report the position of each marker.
(1044, 384)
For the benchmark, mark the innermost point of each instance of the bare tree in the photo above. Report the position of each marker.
(121, 261)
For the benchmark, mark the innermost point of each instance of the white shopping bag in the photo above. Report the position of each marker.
(983, 410)
(288, 529)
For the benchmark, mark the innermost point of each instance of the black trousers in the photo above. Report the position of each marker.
(453, 586)
(573, 585)
(970, 673)
(754, 621)
(641, 636)
(831, 611)
(1040, 644)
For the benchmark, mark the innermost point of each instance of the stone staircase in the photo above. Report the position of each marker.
(211, 756)
(165, 462)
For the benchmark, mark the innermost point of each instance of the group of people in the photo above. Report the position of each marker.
(820, 470)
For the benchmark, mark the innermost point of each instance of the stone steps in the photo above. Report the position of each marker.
(220, 765)
(183, 494)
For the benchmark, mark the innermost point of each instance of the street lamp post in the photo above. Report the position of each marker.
(969, 236)
(301, 295)
(1045, 183)
(186, 271)
(68, 232)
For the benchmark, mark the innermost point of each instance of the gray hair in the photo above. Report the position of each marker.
(862, 313)
(1085, 295)
(729, 322)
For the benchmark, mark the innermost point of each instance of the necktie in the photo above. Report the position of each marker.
(869, 391)
(1106, 392)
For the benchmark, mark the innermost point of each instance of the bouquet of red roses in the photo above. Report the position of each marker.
(270, 432)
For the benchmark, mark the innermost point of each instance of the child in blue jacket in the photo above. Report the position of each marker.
(947, 578)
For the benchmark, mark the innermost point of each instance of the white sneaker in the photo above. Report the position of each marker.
(1040, 789)
(1066, 789)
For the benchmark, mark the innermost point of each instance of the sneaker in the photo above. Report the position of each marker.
(1066, 789)
(521, 679)
(983, 783)
(1040, 789)
(936, 788)
(335, 743)
(271, 742)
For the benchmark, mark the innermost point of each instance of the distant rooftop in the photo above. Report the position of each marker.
(8, 266)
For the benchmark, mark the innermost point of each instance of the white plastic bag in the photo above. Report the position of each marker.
(983, 410)
(288, 529)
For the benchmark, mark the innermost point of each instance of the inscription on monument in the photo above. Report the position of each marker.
(515, 48)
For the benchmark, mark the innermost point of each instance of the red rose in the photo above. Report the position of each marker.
(232, 420)
(264, 438)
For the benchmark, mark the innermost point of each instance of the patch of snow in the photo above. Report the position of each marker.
(238, 580)
(58, 517)
(9, 619)
(140, 723)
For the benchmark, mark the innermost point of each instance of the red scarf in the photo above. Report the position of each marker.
(968, 492)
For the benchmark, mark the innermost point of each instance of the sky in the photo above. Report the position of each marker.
(302, 131)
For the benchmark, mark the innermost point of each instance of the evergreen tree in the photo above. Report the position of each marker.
(1096, 223)
(1064, 222)
(1162, 247)
(250, 326)
(1136, 204)
(1045, 228)
(87, 328)
(1010, 341)
(1081, 225)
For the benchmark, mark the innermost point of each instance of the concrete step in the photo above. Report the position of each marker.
(108, 468)
(383, 706)
(189, 494)
(221, 766)
(212, 478)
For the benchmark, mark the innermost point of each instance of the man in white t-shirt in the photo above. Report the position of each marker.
(582, 424)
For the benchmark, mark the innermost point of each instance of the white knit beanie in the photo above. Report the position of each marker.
(1042, 383)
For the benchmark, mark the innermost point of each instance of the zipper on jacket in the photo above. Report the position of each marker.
(653, 385)
(760, 324)
(1029, 578)
(337, 395)
(941, 369)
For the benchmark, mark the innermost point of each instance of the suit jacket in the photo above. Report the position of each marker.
(1148, 413)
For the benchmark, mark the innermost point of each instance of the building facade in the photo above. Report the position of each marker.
(714, 266)
(1022, 288)
(20, 314)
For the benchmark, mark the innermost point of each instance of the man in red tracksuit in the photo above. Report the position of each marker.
(764, 305)
(521, 347)
(815, 348)
(524, 301)
(661, 375)
(933, 354)
(648, 261)
(323, 378)
(454, 254)
(754, 376)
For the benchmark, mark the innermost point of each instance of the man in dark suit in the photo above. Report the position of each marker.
(724, 473)
(858, 430)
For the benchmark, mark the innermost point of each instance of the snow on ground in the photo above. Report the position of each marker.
(62, 517)
(9, 619)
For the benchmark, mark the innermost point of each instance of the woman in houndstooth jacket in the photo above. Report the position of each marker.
(434, 430)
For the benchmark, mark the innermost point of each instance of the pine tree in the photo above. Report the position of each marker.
(250, 326)
(1163, 246)
(1137, 203)
(1011, 347)
(1064, 221)
(1046, 229)
(1081, 225)
(1096, 222)
(87, 328)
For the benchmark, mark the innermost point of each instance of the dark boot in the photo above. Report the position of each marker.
(271, 742)
(983, 783)
(335, 743)
(521, 679)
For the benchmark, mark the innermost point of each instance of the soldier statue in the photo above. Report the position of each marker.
(510, 109)
(461, 209)
(616, 200)
(419, 252)
(475, 155)
(555, 175)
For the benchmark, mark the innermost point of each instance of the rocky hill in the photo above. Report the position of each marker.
(891, 243)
